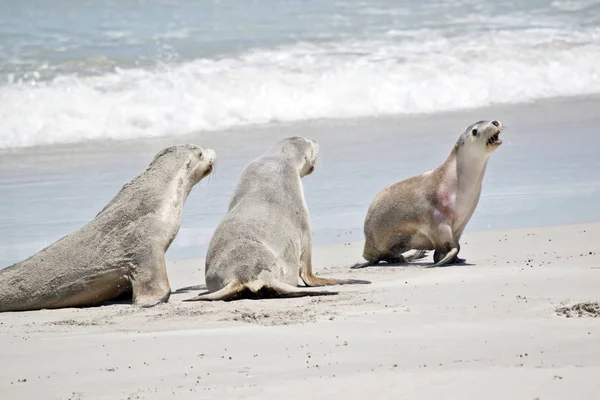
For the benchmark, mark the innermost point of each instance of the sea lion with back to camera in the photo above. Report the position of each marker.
(121, 250)
(430, 211)
(264, 242)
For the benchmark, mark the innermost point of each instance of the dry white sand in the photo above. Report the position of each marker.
(487, 330)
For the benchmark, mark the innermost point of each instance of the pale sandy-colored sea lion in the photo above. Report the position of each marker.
(264, 243)
(121, 250)
(430, 211)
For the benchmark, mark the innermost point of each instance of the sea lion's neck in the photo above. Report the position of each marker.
(464, 169)
(181, 185)
(167, 175)
(470, 166)
(173, 186)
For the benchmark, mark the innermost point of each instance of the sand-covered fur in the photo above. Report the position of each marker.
(264, 243)
(121, 250)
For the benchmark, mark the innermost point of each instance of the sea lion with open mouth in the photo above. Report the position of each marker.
(430, 211)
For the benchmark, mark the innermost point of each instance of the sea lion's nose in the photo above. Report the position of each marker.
(496, 123)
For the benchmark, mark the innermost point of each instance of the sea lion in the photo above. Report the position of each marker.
(264, 241)
(430, 211)
(121, 250)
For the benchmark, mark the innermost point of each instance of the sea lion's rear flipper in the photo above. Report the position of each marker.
(285, 290)
(235, 290)
(229, 292)
(417, 255)
(362, 265)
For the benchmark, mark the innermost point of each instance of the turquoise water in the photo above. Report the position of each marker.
(87, 36)
(83, 70)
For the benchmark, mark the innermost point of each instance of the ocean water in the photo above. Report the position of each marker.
(91, 90)
(75, 70)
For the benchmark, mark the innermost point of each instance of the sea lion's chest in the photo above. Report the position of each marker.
(457, 195)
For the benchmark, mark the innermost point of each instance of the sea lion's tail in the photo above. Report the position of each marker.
(234, 290)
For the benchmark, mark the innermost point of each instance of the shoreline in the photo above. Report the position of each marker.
(109, 144)
(544, 174)
(423, 332)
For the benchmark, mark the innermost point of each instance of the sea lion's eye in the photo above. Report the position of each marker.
(200, 153)
(474, 132)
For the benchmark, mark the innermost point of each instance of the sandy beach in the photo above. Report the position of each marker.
(488, 329)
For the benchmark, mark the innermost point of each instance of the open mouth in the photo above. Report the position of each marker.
(494, 140)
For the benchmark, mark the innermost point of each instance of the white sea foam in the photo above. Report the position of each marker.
(422, 73)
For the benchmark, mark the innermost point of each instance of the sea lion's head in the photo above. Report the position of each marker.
(482, 135)
(198, 162)
(304, 151)
(201, 162)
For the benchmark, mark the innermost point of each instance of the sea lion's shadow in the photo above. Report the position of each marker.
(119, 301)
(427, 265)
(265, 293)
(188, 289)
(125, 298)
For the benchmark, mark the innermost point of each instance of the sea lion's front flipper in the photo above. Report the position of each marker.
(449, 257)
(150, 283)
(437, 256)
(311, 279)
(445, 244)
